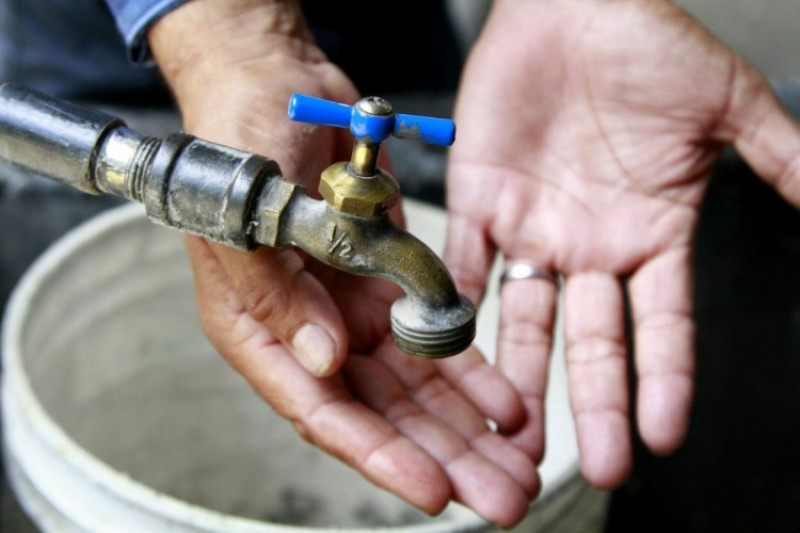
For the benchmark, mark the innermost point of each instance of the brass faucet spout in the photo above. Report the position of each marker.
(432, 319)
(372, 246)
(241, 200)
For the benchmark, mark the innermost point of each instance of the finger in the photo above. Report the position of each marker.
(763, 132)
(481, 392)
(277, 292)
(450, 396)
(477, 482)
(596, 367)
(482, 385)
(468, 255)
(524, 344)
(661, 298)
(321, 409)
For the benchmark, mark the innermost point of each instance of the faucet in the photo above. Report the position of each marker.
(240, 199)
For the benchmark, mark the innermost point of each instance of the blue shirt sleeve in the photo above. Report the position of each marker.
(134, 18)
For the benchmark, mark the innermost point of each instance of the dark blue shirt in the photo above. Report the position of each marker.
(97, 50)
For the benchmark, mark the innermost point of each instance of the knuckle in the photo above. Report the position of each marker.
(266, 303)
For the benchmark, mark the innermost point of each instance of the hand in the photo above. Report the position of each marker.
(587, 134)
(315, 342)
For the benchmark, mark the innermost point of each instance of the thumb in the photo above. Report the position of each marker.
(275, 290)
(764, 132)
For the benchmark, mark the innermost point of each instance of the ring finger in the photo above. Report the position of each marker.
(528, 297)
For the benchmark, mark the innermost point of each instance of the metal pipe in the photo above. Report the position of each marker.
(239, 199)
(186, 183)
(52, 138)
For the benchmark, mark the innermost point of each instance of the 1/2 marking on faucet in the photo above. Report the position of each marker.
(340, 242)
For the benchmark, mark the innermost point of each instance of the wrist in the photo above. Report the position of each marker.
(202, 39)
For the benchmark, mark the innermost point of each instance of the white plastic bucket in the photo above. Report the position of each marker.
(119, 416)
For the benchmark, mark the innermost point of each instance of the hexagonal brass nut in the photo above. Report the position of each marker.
(364, 197)
(267, 230)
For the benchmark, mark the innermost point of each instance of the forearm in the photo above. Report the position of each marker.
(208, 37)
(232, 66)
(225, 32)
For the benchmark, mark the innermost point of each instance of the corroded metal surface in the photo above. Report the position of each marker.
(240, 199)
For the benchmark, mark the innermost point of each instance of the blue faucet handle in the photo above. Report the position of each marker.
(372, 120)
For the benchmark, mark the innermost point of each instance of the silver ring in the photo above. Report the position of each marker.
(519, 271)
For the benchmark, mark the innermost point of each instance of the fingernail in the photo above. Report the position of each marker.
(314, 348)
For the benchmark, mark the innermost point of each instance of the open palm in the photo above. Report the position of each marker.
(588, 131)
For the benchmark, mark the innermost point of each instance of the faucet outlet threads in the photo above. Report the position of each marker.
(360, 196)
(433, 332)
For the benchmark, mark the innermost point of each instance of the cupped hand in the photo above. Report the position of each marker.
(315, 342)
(587, 134)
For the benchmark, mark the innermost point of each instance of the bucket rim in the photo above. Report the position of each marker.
(18, 394)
